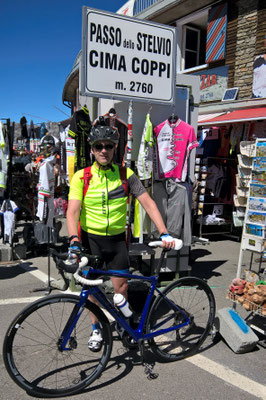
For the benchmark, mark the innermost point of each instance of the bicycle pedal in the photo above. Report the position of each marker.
(149, 372)
(153, 375)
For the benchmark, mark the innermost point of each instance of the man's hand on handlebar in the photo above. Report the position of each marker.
(168, 241)
(76, 249)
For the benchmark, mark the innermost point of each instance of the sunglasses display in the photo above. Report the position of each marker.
(100, 147)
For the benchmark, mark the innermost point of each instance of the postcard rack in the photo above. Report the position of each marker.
(254, 227)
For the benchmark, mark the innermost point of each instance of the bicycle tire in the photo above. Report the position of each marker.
(193, 298)
(31, 354)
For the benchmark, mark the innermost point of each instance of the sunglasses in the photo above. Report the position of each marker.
(100, 147)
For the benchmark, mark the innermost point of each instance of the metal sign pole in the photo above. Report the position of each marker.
(128, 163)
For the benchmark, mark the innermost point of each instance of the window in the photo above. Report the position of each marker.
(201, 38)
(191, 47)
(191, 38)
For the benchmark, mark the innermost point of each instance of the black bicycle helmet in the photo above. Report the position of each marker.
(100, 132)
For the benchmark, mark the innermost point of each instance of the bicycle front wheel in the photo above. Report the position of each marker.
(188, 305)
(33, 358)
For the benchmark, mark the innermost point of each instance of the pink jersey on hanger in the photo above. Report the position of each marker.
(173, 146)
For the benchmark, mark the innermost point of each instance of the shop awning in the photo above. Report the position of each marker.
(245, 115)
(206, 117)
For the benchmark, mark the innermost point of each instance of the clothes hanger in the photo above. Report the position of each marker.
(149, 110)
(173, 118)
(101, 121)
(85, 109)
(112, 111)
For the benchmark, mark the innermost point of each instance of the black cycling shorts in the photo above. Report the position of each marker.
(112, 250)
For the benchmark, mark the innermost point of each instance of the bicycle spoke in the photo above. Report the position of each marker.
(194, 307)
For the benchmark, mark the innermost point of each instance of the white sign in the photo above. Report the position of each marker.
(124, 58)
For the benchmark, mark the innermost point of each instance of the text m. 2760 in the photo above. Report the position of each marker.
(141, 87)
(135, 87)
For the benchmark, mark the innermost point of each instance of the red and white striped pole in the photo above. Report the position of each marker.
(128, 161)
(129, 134)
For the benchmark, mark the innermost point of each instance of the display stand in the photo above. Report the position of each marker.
(254, 241)
(253, 235)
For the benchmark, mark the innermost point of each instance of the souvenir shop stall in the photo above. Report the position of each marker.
(231, 167)
(220, 172)
(33, 187)
(215, 171)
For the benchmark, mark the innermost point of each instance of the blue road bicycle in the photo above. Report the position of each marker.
(46, 350)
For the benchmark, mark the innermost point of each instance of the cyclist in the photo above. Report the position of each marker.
(102, 213)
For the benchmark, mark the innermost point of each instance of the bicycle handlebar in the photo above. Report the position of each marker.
(95, 282)
(89, 282)
(159, 243)
(69, 267)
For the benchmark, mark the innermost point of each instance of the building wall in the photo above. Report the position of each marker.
(261, 28)
(245, 47)
(245, 38)
(231, 40)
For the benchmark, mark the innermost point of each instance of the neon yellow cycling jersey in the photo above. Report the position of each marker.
(105, 203)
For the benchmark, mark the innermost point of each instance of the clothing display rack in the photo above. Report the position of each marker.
(214, 214)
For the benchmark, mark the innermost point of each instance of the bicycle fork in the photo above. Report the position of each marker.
(69, 327)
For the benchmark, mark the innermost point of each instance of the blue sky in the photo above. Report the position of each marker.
(39, 41)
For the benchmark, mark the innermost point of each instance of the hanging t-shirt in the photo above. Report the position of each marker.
(145, 157)
(79, 130)
(173, 145)
(210, 141)
(63, 133)
(4, 155)
(224, 150)
(24, 129)
(174, 203)
(43, 130)
(113, 120)
(214, 178)
(70, 157)
(45, 210)
(8, 210)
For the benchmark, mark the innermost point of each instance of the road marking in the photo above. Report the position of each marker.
(37, 273)
(235, 379)
(20, 300)
(229, 376)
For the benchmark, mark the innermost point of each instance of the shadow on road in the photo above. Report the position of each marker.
(12, 271)
(206, 269)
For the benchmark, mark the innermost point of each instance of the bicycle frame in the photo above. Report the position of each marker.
(137, 334)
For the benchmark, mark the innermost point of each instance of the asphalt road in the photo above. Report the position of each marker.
(215, 373)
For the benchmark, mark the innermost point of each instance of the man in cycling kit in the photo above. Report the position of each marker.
(102, 213)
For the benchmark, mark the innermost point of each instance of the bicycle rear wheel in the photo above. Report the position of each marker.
(188, 299)
(33, 359)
